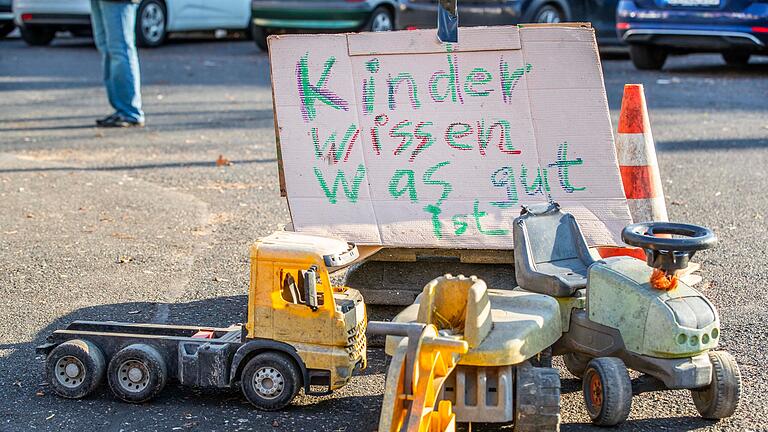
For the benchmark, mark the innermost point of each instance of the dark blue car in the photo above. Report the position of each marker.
(653, 29)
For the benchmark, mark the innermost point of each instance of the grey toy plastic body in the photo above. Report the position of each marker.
(551, 255)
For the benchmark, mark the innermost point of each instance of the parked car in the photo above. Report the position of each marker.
(39, 20)
(601, 13)
(736, 29)
(315, 16)
(281, 16)
(6, 18)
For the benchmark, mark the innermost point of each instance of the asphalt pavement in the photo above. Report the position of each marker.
(142, 225)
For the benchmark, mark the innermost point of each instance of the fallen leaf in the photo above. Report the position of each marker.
(222, 161)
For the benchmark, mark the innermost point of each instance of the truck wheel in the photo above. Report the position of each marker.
(576, 363)
(137, 373)
(537, 399)
(607, 391)
(75, 368)
(721, 398)
(37, 36)
(270, 381)
(647, 57)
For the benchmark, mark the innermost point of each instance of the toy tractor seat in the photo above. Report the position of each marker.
(501, 327)
(551, 255)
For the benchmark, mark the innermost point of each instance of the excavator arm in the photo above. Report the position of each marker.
(417, 372)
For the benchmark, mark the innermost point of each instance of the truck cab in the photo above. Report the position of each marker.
(292, 300)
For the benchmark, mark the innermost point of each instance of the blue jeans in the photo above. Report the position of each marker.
(114, 33)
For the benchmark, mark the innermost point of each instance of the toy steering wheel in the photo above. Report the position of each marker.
(668, 253)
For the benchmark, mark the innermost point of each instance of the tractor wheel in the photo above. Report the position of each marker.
(270, 381)
(607, 391)
(576, 363)
(537, 399)
(721, 398)
(137, 373)
(75, 368)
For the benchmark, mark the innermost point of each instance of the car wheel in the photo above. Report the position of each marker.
(259, 35)
(270, 381)
(151, 23)
(75, 368)
(381, 20)
(548, 14)
(37, 36)
(736, 58)
(137, 373)
(6, 29)
(647, 57)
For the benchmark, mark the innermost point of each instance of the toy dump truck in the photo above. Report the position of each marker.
(301, 332)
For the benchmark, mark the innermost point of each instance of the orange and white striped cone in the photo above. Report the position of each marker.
(636, 154)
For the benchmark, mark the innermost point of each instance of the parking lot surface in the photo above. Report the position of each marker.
(142, 225)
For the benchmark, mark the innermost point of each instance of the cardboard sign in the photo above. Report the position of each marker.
(396, 139)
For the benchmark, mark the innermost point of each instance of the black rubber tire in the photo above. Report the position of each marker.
(736, 58)
(647, 57)
(383, 11)
(143, 40)
(91, 358)
(537, 399)
(615, 391)
(576, 363)
(549, 14)
(721, 398)
(37, 35)
(6, 29)
(259, 36)
(285, 366)
(155, 367)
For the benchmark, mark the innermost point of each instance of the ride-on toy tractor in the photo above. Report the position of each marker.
(301, 332)
(621, 312)
(495, 381)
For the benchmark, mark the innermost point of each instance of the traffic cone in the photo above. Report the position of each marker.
(636, 154)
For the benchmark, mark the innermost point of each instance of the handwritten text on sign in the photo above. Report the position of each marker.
(396, 139)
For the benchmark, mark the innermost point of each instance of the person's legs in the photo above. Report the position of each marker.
(120, 21)
(100, 38)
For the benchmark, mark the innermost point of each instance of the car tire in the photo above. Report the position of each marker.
(6, 29)
(736, 58)
(75, 368)
(607, 391)
(259, 36)
(647, 57)
(137, 373)
(381, 20)
(37, 36)
(270, 381)
(151, 24)
(548, 14)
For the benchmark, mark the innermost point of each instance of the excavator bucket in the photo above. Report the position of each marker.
(419, 367)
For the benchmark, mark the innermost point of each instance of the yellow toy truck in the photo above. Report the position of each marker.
(301, 332)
